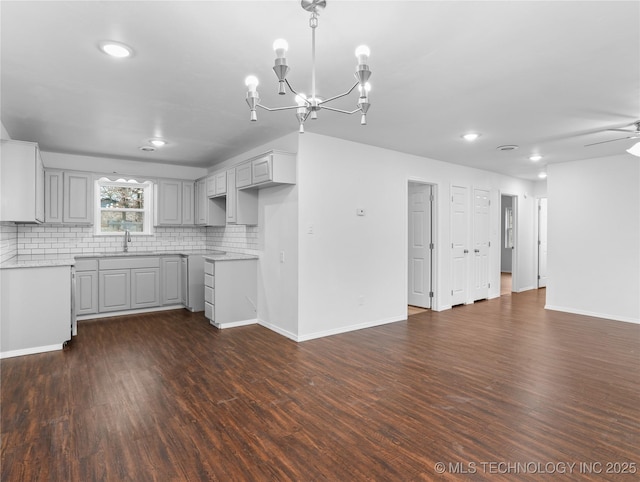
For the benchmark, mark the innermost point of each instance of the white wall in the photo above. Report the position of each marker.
(594, 237)
(353, 270)
(56, 160)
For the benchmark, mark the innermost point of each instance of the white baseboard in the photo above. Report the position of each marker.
(111, 314)
(30, 351)
(233, 324)
(278, 330)
(606, 316)
(346, 329)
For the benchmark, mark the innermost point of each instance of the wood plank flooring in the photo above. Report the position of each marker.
(499, 390)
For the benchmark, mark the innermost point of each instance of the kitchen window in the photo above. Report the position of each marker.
(123, 205)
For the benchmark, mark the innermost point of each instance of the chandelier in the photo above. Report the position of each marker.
(308, 106)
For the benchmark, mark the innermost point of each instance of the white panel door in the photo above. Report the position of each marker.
(420, 247)
(542, 243)
(459, 244)
(480, 244)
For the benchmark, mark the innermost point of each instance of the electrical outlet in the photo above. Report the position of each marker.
(310, 229)
(360, 212)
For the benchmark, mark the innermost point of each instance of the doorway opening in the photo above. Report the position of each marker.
(421, 247)
(542, 242)
(508, 237)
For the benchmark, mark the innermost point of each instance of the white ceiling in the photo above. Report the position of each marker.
(547, 76)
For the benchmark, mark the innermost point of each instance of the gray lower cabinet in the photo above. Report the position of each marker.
(128, 283)
(145, 288)
(230, 292)
(172, 280)
(115, 290)
(86, 287)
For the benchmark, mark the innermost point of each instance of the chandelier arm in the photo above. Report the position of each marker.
(273, 109)
(338, 96)
(340, 110)
(295, 93)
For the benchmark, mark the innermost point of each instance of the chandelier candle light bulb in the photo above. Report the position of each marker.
(310, 106)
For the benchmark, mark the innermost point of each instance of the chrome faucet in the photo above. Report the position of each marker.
(127, 239)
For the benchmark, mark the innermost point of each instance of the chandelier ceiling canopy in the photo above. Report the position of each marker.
(308, 106)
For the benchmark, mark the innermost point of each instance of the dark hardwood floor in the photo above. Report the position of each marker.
(499, 390)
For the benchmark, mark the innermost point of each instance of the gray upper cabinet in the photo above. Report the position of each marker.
(175, 202)
(22, 182)
(78, 198)
(188, 203)
(68, 197)
(270, 169)
(53, 198)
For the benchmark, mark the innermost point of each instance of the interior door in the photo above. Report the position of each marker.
(481, 244)
(542, 243)
(420, 244)
(459, 244)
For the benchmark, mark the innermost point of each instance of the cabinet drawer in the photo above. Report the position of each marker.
(86, 265)
(208, 268)
(209, 311)
(126, 263)
(208, 294)
(208, 281)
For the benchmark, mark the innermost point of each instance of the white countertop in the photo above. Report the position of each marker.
(43, 260)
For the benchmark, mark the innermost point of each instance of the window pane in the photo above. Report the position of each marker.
(122, 197)
(122, 221)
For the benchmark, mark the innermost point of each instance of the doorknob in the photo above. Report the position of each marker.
(476, 250)
(466, 251)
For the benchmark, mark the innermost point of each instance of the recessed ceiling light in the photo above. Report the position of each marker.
(147, 148)
(535, 157)
(157, 142)
(116, 49)
(542, 175)
(471, 136)
(507, 147)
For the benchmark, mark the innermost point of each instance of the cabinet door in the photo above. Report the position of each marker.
(231, 196)
(171, 280)
(169, 202)
(115, 290)
(86, 292)
(78, 197)
(53, 198)
(145, 287)
(211, 186)
(221, 183)
(188, 198)
(22, 182)
(39, 187)
(184, 281)
(261, 170)
(201, 202)
(243, 174)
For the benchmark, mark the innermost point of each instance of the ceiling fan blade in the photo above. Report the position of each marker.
(610, 140)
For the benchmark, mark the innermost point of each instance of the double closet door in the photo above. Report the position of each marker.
(470, 243)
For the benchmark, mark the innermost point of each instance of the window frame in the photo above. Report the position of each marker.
(147, 210)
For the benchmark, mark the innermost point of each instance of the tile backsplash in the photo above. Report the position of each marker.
(8, 241)
(25, 239)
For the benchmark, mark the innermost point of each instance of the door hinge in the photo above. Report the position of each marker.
(451, 292)
(430, 294)
(431, 198)
(489, 243)
(430, 245)
(538, 276)
(488, 285)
